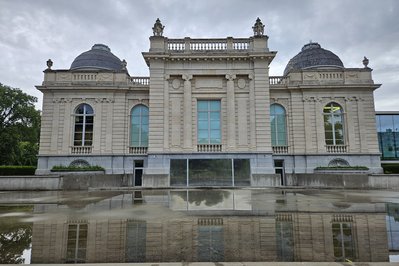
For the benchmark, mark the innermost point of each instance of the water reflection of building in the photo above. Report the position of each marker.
(225, 233)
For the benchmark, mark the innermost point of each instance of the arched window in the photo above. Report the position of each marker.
(79, 163)
(278, 125)
(334, 124)
(139, 126)
(338, 162)
(83, 134)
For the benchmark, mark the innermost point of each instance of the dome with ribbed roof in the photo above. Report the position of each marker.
(99, 57)
(313, 56)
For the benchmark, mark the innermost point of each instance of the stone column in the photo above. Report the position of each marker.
(231, 118)
(187, 141)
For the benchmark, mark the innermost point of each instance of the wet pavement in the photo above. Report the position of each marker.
(200, 225)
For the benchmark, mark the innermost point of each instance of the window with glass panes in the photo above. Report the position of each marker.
(83, 131)
(278, 125)
(333, 124)
(139, 126)
(76, 243)
(343, 241)
(208, 122)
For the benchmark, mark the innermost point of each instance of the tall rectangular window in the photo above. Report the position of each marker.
(285, 240)
(76, 243)
(210, 239)
(208, 122)
(136, 237)
(344, 244)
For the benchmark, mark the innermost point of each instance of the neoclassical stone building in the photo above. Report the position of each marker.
(209, 113)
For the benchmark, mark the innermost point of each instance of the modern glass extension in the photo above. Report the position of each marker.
(210, 172)
(388, 135)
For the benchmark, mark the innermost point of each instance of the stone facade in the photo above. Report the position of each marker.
(235, 73)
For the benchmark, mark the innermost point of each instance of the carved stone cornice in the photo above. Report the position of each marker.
(104, 100)
(62, 100)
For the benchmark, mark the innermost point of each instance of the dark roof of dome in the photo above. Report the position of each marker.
(311, 56)
(99, 57)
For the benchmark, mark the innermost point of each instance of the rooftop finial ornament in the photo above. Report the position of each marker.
(365, 62)
(49, 64)
(259, 28)
(124, 64)
(158, 28)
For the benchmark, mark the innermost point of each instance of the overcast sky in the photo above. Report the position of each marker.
(33, 31)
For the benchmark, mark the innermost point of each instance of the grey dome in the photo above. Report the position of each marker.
(99, 57)
(312, 56)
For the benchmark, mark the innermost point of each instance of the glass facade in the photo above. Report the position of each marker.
(388, 135)
(83, 131)
(333, 124)
(209, 122)
(210, 172)
(278, 125)
(139, 126)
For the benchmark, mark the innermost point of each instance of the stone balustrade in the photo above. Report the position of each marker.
(280, 149)
(138, 150)
(336, 148)
(144, 81)
(197, 45)
(81, 149)
(209, 148)
(278, 80)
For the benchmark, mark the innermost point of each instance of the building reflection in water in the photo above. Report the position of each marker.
(211, 225)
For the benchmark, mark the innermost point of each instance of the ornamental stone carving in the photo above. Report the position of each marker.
(62, 100)
(176, 84)
(241, 83)
(258, 28)
(49, 64)
(366, 62)
(104, 100)
(158, 28)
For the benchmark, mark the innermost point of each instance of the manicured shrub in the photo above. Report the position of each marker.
(62, 168)
(17, 170)
(357, 167)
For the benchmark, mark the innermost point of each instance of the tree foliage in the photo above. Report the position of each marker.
(19, 127)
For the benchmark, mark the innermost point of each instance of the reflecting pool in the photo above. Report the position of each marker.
(198, 225)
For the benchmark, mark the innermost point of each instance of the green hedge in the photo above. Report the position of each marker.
(390, 168)
(357, 167)
(17, 170)
(62, 168)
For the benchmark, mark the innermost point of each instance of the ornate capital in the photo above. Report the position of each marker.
(187, 77)
(230, 77)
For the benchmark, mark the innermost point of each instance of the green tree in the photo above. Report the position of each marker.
(19, 127)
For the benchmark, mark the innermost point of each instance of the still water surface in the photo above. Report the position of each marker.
(198, 225)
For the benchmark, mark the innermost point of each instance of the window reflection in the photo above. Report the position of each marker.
(76, 243)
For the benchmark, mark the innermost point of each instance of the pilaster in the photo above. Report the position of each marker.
(231, 119)
(187, 107)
